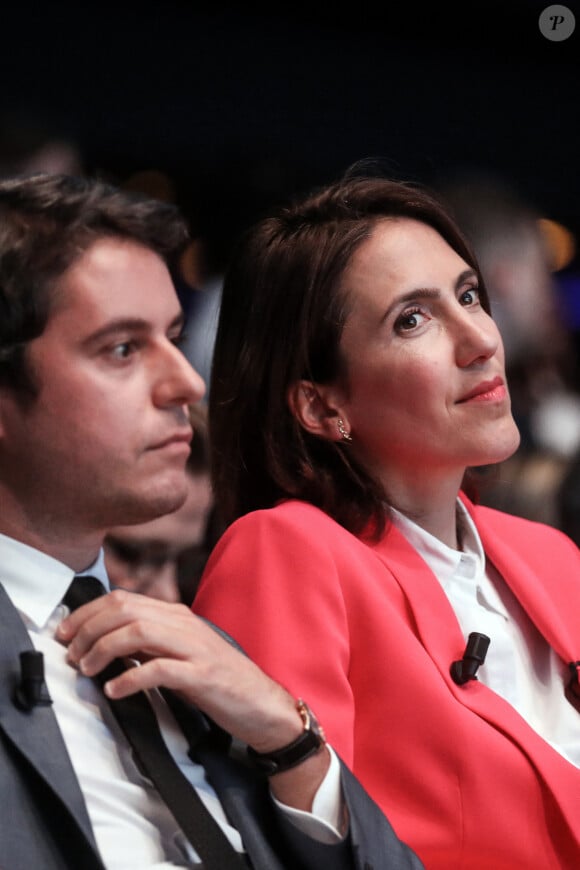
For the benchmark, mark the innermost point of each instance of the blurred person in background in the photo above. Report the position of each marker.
(164, 558)
(203, 305)
(518, 263)
(568, 500)
(30, 143)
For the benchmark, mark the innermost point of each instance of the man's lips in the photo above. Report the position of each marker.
(182, 437)
(486, 391)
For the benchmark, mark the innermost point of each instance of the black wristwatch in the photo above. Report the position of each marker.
(307, 744)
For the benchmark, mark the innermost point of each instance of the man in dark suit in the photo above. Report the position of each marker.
(94, 432)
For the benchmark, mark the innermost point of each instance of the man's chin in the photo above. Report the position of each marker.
(152, 504)
(168, 503)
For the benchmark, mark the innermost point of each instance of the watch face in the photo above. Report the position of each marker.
(311, 723)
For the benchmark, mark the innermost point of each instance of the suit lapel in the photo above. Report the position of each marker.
(245, 800)
(36, 734)
(247, 804)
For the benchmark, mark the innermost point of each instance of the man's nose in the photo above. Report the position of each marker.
(178, 383)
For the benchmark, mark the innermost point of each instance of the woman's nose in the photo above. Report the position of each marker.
(478, 338)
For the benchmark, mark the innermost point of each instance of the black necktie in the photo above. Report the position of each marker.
(137, 719)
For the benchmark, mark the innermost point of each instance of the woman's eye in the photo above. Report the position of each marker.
(470, 296)
(409, 320)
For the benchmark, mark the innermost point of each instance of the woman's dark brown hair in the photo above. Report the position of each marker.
(282, 314)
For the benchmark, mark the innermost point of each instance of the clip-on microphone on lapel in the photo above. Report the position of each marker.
(572, 688)
(474, 656)
(31, 691)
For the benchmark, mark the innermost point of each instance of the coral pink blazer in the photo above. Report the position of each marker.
(365, 633)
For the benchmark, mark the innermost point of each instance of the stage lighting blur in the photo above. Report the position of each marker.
(561, 243)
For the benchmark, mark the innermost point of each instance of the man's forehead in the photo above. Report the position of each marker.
(117, 279)
(108, 254)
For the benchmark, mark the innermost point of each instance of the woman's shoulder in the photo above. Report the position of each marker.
(516, 526)
(291, 524)
(292, 513)
(290, 535)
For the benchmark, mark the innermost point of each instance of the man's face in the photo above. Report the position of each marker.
(106, 440)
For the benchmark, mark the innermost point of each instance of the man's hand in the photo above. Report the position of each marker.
(179, 651)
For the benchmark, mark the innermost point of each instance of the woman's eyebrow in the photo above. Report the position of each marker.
(427, 292)
(411, 296)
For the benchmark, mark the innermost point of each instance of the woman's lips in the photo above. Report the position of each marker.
(487, 391)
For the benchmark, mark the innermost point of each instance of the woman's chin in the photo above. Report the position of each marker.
(502, 447)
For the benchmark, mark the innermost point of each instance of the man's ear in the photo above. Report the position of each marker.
(317, 409)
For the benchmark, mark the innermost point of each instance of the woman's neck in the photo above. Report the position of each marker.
(433, 508)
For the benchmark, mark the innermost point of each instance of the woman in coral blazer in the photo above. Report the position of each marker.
(357, 376)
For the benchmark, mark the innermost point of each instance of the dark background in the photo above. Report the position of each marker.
(242, 104)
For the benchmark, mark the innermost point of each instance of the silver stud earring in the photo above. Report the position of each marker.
(344, 434)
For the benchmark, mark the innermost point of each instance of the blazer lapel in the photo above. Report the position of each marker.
(527, 568)
(36, 734)
(556, 616)
(434, 619)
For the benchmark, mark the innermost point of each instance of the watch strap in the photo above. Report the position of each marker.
(304, 746)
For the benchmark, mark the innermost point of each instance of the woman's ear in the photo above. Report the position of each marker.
(317, 410)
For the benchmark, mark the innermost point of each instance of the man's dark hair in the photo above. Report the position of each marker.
(283, 309)
(47, 222)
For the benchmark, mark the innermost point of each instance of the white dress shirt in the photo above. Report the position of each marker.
(132, 826)
(520, 665)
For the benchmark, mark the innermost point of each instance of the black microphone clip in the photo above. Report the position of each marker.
(31, 691)
(474, 656)
(572, 688)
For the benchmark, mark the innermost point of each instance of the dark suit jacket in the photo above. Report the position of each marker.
(45, 825)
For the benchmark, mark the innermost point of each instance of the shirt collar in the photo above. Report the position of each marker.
(35, 582)
(445, 562)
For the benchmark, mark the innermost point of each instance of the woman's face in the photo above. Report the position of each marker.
(425, 392)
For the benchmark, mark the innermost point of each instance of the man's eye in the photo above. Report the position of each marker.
(123, 350)
(179, 339)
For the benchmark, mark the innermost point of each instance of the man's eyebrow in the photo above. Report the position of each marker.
(130, 324)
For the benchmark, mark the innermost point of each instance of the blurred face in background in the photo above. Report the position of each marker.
(150, 557)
